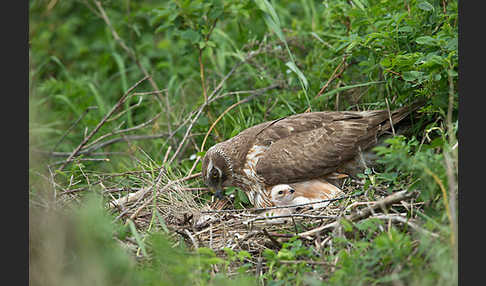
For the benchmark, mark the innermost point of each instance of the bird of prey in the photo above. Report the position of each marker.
(295, 149)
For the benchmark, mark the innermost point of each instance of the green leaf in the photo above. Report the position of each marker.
(242, 196)
(214, 260)
(301, 76)
(285, 254)
(205, 251)
(138, 239)
(191, 35)
(412, 75)
(359, 4)
(230, 252)
(347, 226)
(427, 40)
(201, 154)
(426, 6)
(243, 254)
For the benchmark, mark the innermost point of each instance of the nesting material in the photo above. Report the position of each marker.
(219, 225)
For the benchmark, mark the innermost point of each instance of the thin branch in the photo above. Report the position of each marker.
(283, 207)
(387, 201)
(135, 214)
(82, 159)
(292, 216)
(390, 116)
(133, 55)
(334, 75)
(261, 91)
(73, 125)
(403, 220)
(200, 110)
(66, 154)
(139, 195)
(93, 132)
(272, 239)
(142, 125)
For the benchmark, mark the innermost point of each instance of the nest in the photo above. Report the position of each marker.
(219, 225)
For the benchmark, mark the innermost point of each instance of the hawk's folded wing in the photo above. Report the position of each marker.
(317, 150)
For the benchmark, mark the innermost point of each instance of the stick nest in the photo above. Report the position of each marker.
(218, 225)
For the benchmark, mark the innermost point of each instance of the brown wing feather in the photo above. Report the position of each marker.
(320, 149)
(310, 145)
(312, 153)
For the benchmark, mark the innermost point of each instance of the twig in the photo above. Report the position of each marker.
(200, 110)
(261, 91)
(122, 139)
(82, 159)
(303, 216)
(282, 207)
(120, 114)
(65, 154)
(194, 242)
(115, 132)
(333, 76)
(274, 241)
(73, 125)
(133, 55)
(166, 156)
(140, 194)
(163, 189)
(391, 199)
(390, 117)
(87, 138)
(401, 219)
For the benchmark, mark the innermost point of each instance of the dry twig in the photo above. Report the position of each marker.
(391, 199)
(93, 132)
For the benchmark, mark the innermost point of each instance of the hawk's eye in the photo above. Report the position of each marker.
(280, 192)
(215, 175)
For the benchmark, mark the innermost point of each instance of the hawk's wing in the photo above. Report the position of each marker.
(310, 149)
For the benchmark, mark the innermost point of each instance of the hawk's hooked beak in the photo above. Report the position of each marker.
(219, 193)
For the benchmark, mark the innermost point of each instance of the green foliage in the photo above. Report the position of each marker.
(401, 51)
(280, 273)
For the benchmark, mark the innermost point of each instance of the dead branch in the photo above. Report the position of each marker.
(65, 154)
(401, 219)
(115, 132)
(93, 132)
(133, 55)
(210, 100)
(283, 207)
(382, 204)
(73, 125)
(261, 91)
(272, 239)
(139, 195)
(334, 75)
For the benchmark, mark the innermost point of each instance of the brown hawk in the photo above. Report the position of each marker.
(294, 149)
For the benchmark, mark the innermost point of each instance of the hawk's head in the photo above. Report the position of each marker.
(217, 170)
(282, 195)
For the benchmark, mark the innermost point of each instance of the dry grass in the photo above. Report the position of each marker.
(218, 225)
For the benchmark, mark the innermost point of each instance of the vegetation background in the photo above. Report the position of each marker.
(224, 66)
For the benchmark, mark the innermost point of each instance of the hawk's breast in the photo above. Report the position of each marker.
(251, 181)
